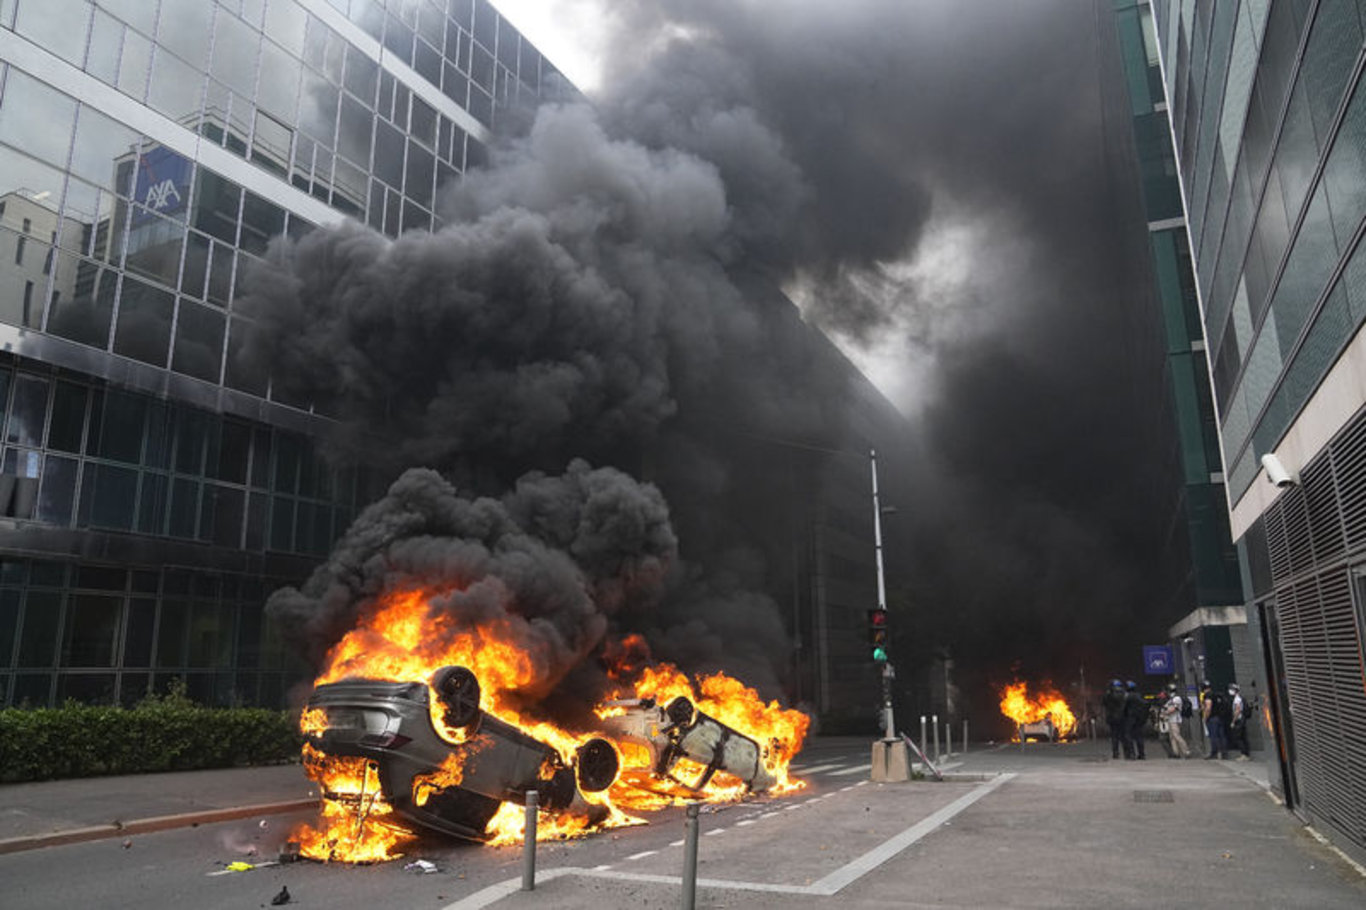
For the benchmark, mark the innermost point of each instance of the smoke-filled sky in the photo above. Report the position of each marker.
(989, 305)
(943, 187)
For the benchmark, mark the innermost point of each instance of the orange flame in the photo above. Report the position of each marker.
(1017, 705)
(401, 640)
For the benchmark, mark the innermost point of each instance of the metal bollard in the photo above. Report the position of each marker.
(965, 736)
(948, 738)
(934, 722)
(690, 827)
(529, 842)
(923, 745)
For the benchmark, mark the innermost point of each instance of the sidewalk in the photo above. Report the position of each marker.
(48, 813)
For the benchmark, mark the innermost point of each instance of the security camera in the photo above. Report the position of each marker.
(1276, 472)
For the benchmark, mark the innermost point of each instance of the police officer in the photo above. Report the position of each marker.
(1136, 716)
(1113, 703)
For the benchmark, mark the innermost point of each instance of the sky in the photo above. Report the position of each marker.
(945, 188)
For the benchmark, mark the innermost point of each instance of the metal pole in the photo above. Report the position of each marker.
(690, 827)
(948, 738)
(965, 736)
(529, 843)
(934, 722)
(922, 737)
(888, 723)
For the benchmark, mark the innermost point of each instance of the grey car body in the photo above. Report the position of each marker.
(390, 724)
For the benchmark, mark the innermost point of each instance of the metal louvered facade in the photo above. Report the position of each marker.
(1267, 105)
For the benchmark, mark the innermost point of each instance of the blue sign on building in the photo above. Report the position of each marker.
(162, 183)
(1157, 660)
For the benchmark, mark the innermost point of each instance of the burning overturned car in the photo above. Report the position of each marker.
(401, 757)
(437, 761)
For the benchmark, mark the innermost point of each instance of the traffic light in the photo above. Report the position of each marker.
(878, 634)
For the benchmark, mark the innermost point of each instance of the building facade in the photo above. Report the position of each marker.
(153, 492)
(1268, 124)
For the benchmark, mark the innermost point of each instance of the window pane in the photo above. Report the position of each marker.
(261, 220)
(171, 634)
(137, 641)
(38, 642)
(235, 46)
(184, 508)
(92, 623)
(86, 315)
(152, 504)
(9, 626)
(217, 203)
(58, 491)
(35, 118)
(144, 327)
(114, 496)
(279, 87)
(121, 427)
(177, 88)
(184, 27)
(29, 412)
(199, 342)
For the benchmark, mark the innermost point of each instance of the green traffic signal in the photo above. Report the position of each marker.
(880, 655)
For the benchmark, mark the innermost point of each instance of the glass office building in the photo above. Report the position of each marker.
(1268, 123)
(152, 494)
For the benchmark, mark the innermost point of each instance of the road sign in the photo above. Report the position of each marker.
(1157, 660)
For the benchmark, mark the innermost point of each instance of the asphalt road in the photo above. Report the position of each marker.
(1046, 826)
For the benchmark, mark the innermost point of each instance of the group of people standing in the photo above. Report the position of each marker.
(1224, 713)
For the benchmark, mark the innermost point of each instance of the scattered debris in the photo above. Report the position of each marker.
(420, 866)
(289, 853)
(281, 898)
(127, 843)
(240, 866)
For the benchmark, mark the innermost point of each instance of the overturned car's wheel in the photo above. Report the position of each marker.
(457, 690)
(596, 764)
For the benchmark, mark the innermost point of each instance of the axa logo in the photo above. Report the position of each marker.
(161, 195)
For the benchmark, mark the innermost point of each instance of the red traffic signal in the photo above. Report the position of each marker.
(878, 634)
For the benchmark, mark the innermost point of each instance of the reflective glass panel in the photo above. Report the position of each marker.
(57, 25)
(144, 323)
(36, 118)
(199, 342)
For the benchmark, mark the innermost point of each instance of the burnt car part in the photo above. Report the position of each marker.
(390, 725)
(680, 731)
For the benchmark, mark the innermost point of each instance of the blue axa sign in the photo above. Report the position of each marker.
(163, 183)
(1157, 660)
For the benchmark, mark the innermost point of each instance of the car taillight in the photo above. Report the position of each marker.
(385, 740)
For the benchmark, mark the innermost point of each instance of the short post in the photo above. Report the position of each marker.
(948, 738)
(690, 858)
(529, 842)
(965, 736)
(923, 753)
(934, 722)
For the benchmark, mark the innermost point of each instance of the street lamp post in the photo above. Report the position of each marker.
(888, 674)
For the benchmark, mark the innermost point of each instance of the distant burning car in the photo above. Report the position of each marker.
(678, 734)
(437, 761)
(1039, 729)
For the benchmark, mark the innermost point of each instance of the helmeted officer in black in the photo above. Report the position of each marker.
(1113, 703)
(1136, 716)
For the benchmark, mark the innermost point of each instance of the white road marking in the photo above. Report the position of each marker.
(677, 843)
(642, 854)
(857, 769)
(745, 821)
(817, 769)
(714, 831)
(830, 885)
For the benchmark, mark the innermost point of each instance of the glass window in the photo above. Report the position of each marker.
(154, 247)
(196, 268)
(389, 146)
(235, 47)
(184, 510)
(58, 26)
(361, 75)
(270, 141)
(261, 220)
(421, 171)
(423, 122)
(177, 88)
(241, 375)
(114, 496)
(134, 65)
(1343, 173)
(353, 135)
(428, 62)
(318, 100)
(137, 639)
(91, 627)
(144, 327)
(35, 118)
(220, 274)
(285, 23)
(152, 502)
(279, 88)
(234, 444)
(29, 412)
(57, 494)
(100, 142)
(171, 632)
(85, 316)
(9, 626)
(193, 427)
(199, 342)
(221, 515)
(106, 39)
(38, 641)
(211, 635)
(184, 27)
(282, 524)
(138, 13)
(217, 204)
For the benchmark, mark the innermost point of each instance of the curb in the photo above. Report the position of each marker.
(149, 825)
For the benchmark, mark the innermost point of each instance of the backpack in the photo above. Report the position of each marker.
(1186, 710)
(1247, 709)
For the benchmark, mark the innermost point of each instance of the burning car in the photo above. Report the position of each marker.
(429, 755)
(1043, 729)
(678, 736)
